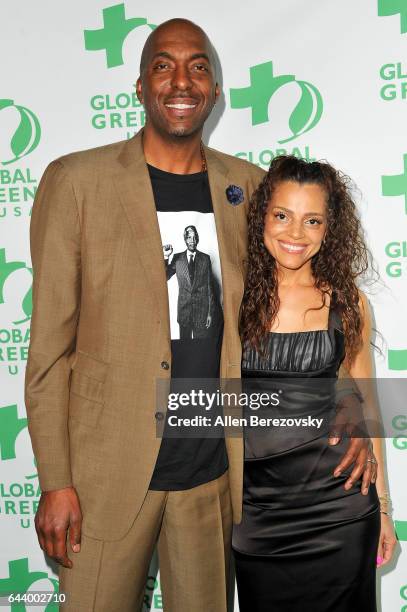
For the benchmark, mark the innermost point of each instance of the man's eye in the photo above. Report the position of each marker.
(160, 66)
(201, 67)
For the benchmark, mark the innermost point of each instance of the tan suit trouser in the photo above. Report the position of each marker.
(193, 530)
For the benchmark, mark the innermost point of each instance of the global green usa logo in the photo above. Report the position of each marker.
(111, 38)
(394, 7)
(263, 86)
(27, 133)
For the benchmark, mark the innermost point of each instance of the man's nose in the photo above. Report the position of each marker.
(181, 78)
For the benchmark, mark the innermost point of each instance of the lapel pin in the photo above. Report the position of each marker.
(234, 195)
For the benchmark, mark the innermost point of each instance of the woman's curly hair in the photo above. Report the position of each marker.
(341, 260)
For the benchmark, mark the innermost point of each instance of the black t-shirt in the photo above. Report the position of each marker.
(190, 251)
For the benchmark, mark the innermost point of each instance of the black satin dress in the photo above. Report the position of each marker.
(304, 543)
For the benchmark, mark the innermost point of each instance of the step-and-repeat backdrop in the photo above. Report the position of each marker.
(321, 80)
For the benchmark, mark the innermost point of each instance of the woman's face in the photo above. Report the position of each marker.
(295, 223)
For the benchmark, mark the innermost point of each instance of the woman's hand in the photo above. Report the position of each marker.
(387, 540)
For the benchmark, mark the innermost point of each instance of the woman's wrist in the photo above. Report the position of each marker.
(385, 503)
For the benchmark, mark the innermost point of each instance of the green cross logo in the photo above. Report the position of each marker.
(263, 85)
(397, 360)
(21, 579)
(10, 427)
(115, 30)
(27, 135)
(6, 269)
(394, 7)
(396, 185)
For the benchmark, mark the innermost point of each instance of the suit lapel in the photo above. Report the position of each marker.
(133, 184)
(225, 220)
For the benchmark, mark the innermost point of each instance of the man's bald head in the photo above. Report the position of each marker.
(177, 28)
(177, 83)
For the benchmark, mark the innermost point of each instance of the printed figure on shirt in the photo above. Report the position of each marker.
(196, 304)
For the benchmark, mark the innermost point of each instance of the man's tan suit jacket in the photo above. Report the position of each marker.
(100, 333)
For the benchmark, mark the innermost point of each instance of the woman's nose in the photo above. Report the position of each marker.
(297, 229)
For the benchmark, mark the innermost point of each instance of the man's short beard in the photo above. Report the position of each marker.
(182, 131)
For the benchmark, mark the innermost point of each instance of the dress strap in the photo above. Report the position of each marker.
(334, 318)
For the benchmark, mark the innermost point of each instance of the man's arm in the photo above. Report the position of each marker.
(169, 267)
(55, 252)
(55, 240)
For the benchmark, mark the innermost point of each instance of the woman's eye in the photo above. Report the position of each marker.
(314, 221)
(280, 215)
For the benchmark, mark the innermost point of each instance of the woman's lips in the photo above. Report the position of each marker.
(292, 248)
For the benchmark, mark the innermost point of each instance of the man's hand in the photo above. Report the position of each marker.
(208, 321)
(360, 452)
(167, 251)
(57, 511)
(349, 420)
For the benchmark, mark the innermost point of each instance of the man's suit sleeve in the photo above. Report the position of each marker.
(55, 239)
(170, 267)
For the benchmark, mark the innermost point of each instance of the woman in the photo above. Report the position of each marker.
(306, 542)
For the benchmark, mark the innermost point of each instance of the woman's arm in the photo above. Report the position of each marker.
(361, 370)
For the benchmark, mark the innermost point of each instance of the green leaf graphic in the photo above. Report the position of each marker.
(36, 129)
(22, 135)
(27, 304)
(23, 142)
(302, 112)
(307, 113)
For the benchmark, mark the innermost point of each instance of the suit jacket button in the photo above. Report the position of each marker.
(159, 416)
(165, 365)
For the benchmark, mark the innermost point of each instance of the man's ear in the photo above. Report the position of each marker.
(139, 90)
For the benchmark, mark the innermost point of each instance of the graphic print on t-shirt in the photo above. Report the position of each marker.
(191, 257)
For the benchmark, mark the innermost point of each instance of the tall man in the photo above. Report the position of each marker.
(100, 339)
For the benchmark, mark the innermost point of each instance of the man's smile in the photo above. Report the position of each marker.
(181, 107)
